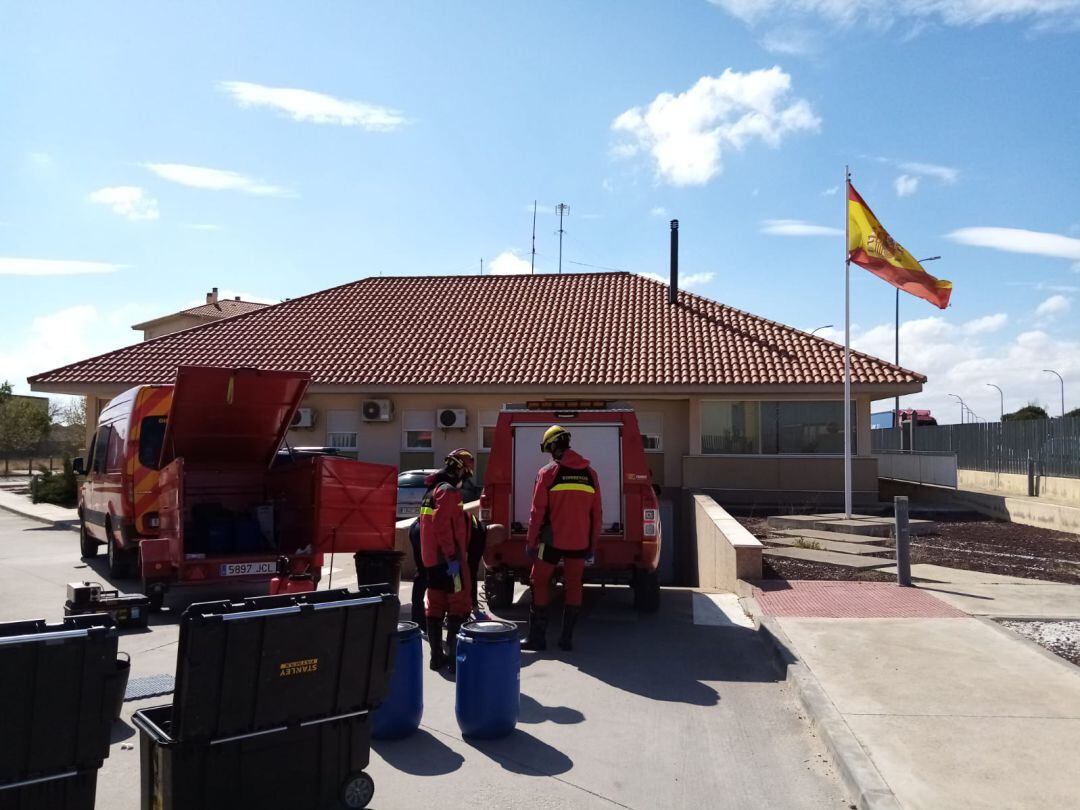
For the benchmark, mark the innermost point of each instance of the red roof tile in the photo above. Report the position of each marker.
(613, 329)
(225, 308)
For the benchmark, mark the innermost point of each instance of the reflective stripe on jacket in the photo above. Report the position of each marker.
(566, 496)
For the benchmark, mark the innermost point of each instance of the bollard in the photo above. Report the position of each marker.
(903, 541)
(1031, 476)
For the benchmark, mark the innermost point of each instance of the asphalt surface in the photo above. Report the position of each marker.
(648, 711)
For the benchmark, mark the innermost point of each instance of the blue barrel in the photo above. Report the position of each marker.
(399, 715)
(488, 678)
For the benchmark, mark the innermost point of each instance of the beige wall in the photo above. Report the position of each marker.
(780, 479)
(1066, 490)
(727, 554)
(382, 442)
(171, 325)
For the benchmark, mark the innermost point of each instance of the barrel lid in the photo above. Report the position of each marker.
(406, 629)
(489, 629)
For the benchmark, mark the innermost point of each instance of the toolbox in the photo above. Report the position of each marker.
(127, 609)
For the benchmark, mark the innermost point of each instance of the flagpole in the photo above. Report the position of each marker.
(847, 352)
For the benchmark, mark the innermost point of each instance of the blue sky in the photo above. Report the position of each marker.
(271, 152)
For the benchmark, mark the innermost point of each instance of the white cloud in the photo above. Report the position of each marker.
(315, 108)
(686, 133)
(880, 14)
(946, 174)
(66, 336)
(1053, 306)
(959, 360)
(796, 227)
(685, 282)
(202, 226)
(906, 185)
(831, 191)
(659, 211)
(791, 41)
(214, 179)
(986, 324)
(1018, 240)
(130, 202)
(508, 263)
(16, 266)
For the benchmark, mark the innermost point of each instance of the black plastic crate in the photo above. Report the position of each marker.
(55, 714)
(317, 765)
(279, 660)
(74, 790)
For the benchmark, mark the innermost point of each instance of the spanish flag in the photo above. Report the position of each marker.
(871, 247)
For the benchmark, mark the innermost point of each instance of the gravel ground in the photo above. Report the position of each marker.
(992, 546)
(1061, 637)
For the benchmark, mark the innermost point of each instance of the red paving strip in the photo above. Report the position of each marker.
(850, 600)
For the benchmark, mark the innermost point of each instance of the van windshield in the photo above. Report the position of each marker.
(151, 434)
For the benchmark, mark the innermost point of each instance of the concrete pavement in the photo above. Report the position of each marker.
(945, 712)
(651, 711)
(13, 500)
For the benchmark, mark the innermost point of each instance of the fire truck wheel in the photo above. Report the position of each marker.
(499, 591)
(88, 545)
(646, 591)
(358, 790)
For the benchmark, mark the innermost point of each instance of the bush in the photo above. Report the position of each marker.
(57, 488)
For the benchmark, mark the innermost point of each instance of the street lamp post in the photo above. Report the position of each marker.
(815, 331)
(1051, 371)
(963, 406)
(1001, 395)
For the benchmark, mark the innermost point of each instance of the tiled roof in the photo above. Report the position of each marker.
(225, 308)
(613, 329)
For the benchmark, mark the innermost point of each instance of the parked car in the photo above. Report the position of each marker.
(411, 489)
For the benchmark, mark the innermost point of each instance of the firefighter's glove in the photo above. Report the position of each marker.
(590, 557)
(531, 551)
(453, 567)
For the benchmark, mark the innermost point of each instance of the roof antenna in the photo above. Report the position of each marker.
(562, 209)
(481, 265)
(532, 261)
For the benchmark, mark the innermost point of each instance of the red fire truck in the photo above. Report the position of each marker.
(185, 485)
(629, 547)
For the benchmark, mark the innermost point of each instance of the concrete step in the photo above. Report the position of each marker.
(836, 537)
(831, 557)
(866, 525)
(828, 545)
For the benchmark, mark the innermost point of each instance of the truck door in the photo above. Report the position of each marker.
(601, 444)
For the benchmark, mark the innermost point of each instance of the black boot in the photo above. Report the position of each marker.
(453, 624)
(434, 634)
(538, 621)
(569, 619)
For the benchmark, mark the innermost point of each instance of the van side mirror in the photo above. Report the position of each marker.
(78, 466)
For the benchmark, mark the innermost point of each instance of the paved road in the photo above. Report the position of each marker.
(651, 712)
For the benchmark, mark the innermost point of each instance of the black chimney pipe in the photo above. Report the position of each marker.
(673, 286)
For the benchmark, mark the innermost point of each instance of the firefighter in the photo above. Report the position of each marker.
(564, 525)
(444, 543)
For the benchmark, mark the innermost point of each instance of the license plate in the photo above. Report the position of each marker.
(409, 511)
(248, 569)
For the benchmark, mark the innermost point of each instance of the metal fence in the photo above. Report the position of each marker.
(1053, 444)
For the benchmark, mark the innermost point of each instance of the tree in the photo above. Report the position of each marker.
(1074, 412)
(24, 425)
(1029, 411)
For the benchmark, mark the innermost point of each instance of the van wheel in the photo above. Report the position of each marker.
(88, 545)
(121, 562)
(646, 587)
(499, 591)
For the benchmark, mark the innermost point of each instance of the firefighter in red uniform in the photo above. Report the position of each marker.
(564, 525)
(444, 543)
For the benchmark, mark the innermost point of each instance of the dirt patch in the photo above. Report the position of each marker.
(790, 568)
(1061, 637)
(990, 546)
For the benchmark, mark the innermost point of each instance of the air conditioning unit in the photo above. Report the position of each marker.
(377, 410)
(452, 418)
(304, 418)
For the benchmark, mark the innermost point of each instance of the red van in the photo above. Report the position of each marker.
(629, 547)
(223, 504)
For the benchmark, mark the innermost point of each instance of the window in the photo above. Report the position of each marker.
(488, 419)
(417, 430)
(151, 435)
(774, 428)
(100, 448)
(114, 457)
(652, 431)
(341, 429)
(730, 427)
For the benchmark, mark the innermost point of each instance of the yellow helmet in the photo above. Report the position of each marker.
(552, 435)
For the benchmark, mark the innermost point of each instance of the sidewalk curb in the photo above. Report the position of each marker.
(71, 524)
(857, 770)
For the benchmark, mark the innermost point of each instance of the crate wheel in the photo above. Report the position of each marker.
(358, 790)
